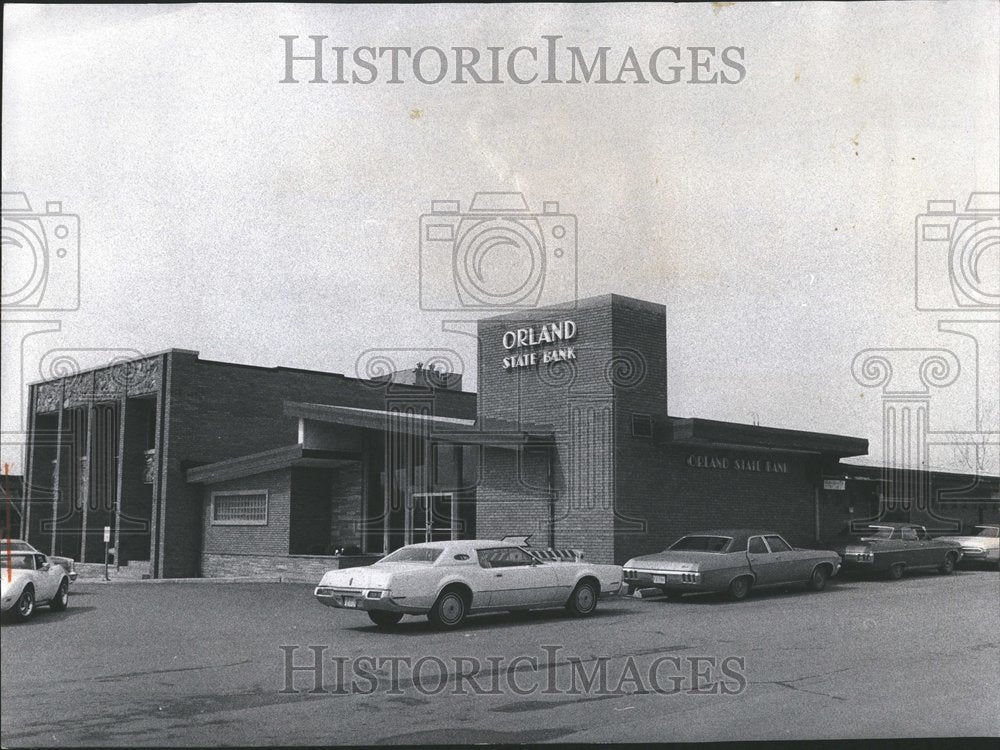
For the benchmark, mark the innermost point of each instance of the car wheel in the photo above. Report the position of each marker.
(61, 600)
(896, 571)
(25, 605)
(385, 619)
(818, 579)
(739, 588)
(449, 610)
(583, 601)
(948, 566)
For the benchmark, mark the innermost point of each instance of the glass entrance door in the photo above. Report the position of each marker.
(432, 517)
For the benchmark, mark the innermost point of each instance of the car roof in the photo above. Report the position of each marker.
(890, 525)
(465, 543)
(987, 526)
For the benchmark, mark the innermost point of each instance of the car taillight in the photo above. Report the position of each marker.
(374, 594)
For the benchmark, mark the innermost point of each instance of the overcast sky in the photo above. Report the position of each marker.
(272, 223)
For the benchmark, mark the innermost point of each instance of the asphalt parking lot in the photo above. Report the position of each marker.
(203, 663)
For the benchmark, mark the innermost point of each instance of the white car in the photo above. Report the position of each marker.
(19, 545)
(982, 547)
(28, 579)
(448, 580)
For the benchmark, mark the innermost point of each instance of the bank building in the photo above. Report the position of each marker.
(205, 468)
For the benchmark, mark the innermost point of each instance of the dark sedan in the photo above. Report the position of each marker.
(892, 549)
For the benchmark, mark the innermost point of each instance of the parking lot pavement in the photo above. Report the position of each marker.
(185, 664)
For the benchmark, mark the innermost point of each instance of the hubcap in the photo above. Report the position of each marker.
(26, 603)
(585, 599)
(740, 587)
(451, 608)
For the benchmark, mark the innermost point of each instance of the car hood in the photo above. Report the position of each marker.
(678, 560)
(368, 576)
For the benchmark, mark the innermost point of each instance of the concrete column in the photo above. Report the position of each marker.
(57, 470)
(88, 476)
(119, 476)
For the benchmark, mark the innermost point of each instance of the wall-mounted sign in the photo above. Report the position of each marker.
(834, 484)
(726, 463)
(546, 337)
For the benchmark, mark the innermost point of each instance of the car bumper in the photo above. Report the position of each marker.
(977, 554)
(674, 581)
(340, 598)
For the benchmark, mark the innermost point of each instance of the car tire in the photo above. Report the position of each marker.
(384, 619)
(24, 607)
(947, 567)
(817, 581)
(449, 610)
(896, 571)
(583, 601)
(61, 600)
(739, 588)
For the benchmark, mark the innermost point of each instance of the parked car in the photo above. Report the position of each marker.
(27, 580)
(895, 548)
(19, 545)
(448, 580)
(731, 561)
(981, 547)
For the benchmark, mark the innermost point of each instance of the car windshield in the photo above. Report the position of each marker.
(17, 562)
(990, 531)
(414, 554)
(879, 532)
(701, 544)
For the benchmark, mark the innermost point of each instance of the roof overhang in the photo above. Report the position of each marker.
(732, 435)
(497, 433)
(279, 458)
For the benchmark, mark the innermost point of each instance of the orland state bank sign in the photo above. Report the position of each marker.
(548, 338)
(696, 461)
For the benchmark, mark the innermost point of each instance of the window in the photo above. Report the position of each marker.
(702, 544)
(909, 535)
(777, 544)
(505, 557)
(642, 426)
(239, 508)
(414, 554)
(756, 546)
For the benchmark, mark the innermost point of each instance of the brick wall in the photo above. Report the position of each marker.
(220, 410)
(269, 539)
(304, 568)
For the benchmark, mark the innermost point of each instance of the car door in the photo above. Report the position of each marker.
(765, 564)
(46, 579)
(790, 564)
(518, 579)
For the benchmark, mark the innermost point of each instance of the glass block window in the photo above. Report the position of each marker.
(247, 508)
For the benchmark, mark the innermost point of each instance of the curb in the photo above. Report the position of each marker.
(157, 581)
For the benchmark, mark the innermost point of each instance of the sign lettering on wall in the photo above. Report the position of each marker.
(726, 463)
(834, 484)
(532, 346)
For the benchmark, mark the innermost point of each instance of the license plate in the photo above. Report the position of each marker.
(350, 603)
(659, 579)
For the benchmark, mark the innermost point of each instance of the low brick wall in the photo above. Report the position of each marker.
(304, 568)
